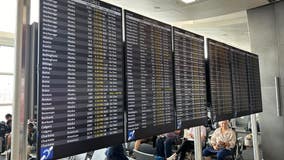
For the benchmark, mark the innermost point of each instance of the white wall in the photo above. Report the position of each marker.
(266, 26)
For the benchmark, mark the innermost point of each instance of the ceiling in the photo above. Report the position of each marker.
(223, 20)
(175, 10)
(230, 28)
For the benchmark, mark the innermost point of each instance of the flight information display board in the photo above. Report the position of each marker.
(190, 79)
(240, 82)
(80, 77)
(220, 82)
(149, 73)
(255, 99)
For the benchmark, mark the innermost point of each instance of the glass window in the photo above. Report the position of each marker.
(4, 110)
(8, 15)
(6, 59)
(34, 11)
(6, 89)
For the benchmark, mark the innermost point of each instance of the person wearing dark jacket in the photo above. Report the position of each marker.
(3, 129)
(115, 152)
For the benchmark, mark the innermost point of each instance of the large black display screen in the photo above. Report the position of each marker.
(190, 79)
(221, 101)
(149, 73)
(80, 77)
(240, 82)
(255, 101)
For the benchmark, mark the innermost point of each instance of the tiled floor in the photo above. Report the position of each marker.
(247, 155)
(99, 155)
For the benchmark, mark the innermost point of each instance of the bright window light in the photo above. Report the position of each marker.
(7, 60)
(4, 111)
(8, 10)
(188, 1)
(34, 11)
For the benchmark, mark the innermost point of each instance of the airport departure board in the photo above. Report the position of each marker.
(255, 99)
(220, 80)
(240, 82)
(190, 79)
(80, 77)
(149, 77)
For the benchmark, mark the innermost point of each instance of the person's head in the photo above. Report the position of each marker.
(224, 124)
(30, 127)
(8, 117)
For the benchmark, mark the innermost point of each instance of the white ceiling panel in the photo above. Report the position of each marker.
(199, 10)
(223, 20)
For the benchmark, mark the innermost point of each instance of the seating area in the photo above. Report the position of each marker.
(241, 153)
(147, 152)
(138, 155)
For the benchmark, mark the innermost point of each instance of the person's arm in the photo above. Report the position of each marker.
(34, 138)
(109, 151)
(232, 140)
(9, 141)
(137, 144)
(190, 133)
(29, 139)
(203, 134)
(213, 141)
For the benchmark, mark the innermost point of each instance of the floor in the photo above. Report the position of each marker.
(248, 154)
(99, 155)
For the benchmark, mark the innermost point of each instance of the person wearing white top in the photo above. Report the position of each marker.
(222, 141)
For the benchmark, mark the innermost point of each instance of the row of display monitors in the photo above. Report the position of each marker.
(94, 90)
(234, 82)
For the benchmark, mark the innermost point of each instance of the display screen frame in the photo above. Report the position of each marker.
(216, 111)
(66, 150)
(141, 133)
(190, 35)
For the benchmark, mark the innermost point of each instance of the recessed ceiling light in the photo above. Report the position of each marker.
(188, 1)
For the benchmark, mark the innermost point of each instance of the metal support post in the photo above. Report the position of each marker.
(197, 143)
(19, 123)
(254, 137)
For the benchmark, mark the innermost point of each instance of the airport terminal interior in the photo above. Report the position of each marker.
(141, 79)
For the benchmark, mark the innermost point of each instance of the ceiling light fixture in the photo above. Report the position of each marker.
(188, 1)
(157, 7)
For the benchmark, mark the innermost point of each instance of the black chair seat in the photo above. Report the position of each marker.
(214, 157)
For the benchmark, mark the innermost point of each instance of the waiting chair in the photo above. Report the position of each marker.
(2, 145)
(142, 156)
(237, 151)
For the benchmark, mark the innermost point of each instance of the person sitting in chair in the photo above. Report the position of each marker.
(165, 142)
(32, 135)
(188, 144)
(115, 152)
(223, 141)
